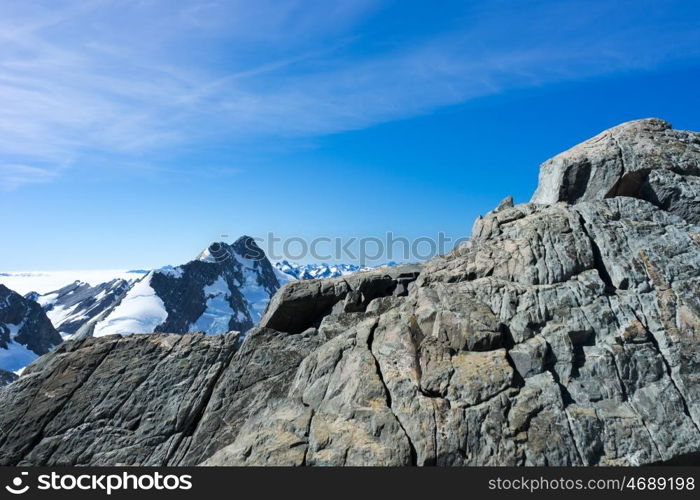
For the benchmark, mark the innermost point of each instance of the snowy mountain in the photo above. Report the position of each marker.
(321, 270)
(45, 282)
(72, 306)
(227, 287)
(25, 332)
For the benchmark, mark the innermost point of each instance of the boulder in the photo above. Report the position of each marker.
(644, 159)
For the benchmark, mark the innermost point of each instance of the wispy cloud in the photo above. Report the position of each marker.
(126, 78)
(14, 176)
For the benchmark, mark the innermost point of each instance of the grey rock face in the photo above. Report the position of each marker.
(25, 331)
(559, 334)
(644, 159)
(114, 400)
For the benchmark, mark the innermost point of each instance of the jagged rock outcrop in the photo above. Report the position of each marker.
(564, 332)
(25, 332)
(644, 159)
(302, 304)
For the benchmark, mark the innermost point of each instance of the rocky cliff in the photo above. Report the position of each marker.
(564, 332)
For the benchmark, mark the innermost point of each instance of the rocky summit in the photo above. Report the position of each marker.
(565, 331)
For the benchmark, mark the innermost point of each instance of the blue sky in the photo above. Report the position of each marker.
(133, 133)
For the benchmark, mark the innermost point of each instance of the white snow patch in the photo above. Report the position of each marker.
(175, 272)
(256, 295)
(215, 319)
(282, 276)
(140, 311)
(206, 256)
(17, 355)
(60, 314)
(46, 300)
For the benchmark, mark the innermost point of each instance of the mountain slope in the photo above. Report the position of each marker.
(559, 334)
(226, 288)
(46, 282)
(72, 306)
(25, 331)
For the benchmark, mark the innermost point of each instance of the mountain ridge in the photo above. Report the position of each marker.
(225, 288)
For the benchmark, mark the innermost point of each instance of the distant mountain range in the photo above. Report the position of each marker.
(317, 271)
(72, 306)
(129, 306)
(225, 288)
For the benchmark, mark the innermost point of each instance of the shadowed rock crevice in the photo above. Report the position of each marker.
(630, 184)
(370, 342)
(598, 261)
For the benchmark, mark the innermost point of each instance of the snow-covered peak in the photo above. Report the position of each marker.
(44, 282)
(175, 272)
(227, 287)
(216, 252)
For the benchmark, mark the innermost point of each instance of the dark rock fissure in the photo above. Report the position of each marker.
(191, 427)
(370, 341)
(598, 260)
(308, 434)
(669, 373)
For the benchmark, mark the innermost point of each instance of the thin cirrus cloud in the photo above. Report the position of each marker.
(12, 176)
(124, 79)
